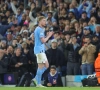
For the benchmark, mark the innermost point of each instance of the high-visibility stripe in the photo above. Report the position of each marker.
(97, 69)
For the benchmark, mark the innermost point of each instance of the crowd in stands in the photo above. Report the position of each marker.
(73, 47)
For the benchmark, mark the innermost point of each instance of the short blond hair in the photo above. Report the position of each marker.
(40, 18)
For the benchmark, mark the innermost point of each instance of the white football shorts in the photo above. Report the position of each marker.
(41, 58)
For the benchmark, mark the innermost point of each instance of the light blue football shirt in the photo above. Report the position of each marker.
(38, 34)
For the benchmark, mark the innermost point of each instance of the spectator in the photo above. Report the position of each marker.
(71, 16)
(55, 56)
(85, 6)
(86, 32)
(84, 17)
(88, 56)
(98, 17)
(53, 79)
(3, 62)
(19, 62)
(3, 44)
(97, 31)
(92, 23)
(9, 38)
(10, 51)
(73, 63)
(95, 41)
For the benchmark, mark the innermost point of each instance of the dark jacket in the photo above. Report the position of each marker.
(22, 59)
(50, 79)
(55, 57)
(4, 64)
(73, 55)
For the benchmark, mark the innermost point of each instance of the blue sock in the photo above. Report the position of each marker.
(39, 74)
(43, 69)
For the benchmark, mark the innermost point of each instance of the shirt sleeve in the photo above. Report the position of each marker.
(41, 34)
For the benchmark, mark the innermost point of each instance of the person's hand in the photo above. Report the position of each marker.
(21, 41)
(17, 65)
(85, 45)
(29, 62)
(70, 41)
(32, 7)
(20, 64)
(49, 84)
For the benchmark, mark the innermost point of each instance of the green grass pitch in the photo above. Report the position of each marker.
(50, 88)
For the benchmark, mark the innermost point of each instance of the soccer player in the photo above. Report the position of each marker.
(39, 50)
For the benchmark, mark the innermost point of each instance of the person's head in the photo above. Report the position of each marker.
(99, 12)
(49, 15)
(27, 18)
(67, 28)
(87, 40)
(18, 11)
(21, 6)
(24, 45)
(14, 42)
(23, 16)
(33, 5)
(27, 11)
(74, 39)
(42, 21)
(95, 38)
(54, 44)
(71, 6)
(77, 25)
(65, 5)
(61, 5)
(53, 69)
(71, 25)
(67, 35)
(54, 4)
(97, 29)
(84, 15)
(84, 24)
(8, 13)
(15, 2)
(74, 3)
(73, 32)
(10, 49)
(9, 36)
(19, 37)
(93, 19)
(3, 44)
(56, 34)
(63, 11)
(86, 30)
(71, 15)
(18, 51)
(25, 33)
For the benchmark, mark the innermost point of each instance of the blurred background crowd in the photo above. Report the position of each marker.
(72, 49)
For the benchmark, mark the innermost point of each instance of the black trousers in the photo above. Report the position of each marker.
(73, 68)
